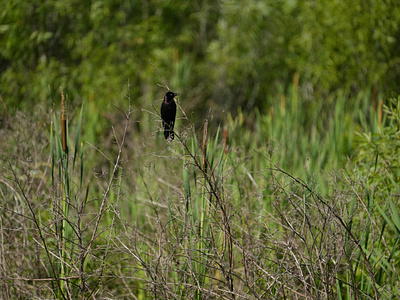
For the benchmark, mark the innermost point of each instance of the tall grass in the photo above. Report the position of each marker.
(262, 205)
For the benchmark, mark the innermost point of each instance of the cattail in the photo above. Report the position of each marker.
(271, 113)
(63, 124)
(226, 141)
(205, 145)
(283, 103)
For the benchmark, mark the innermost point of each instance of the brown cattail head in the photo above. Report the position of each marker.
(283, 102)
(296, 79)
(271, 113)
(205, 145)
(63, 124)
(226, 141)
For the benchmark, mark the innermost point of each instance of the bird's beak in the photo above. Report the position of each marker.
(176, 94)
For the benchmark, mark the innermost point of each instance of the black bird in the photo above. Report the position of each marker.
(168, 113)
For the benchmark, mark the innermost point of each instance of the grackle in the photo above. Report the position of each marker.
(168, 113)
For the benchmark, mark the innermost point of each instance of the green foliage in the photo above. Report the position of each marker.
(344, 44)
(221, 54)
(378, 149)
(377, 166)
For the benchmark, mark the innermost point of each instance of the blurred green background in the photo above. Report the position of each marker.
(219, 54)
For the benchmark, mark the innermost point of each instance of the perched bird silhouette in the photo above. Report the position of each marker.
(168, 113)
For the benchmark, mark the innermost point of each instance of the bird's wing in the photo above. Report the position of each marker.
(163, 112)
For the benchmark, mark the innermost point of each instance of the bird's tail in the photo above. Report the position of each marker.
(168, 132)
